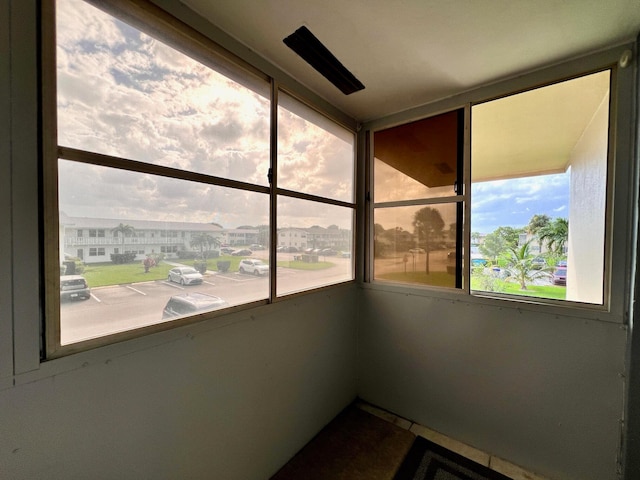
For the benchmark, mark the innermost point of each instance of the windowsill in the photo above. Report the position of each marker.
(107, 353)
(590, 312)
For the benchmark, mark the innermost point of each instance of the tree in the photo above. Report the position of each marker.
(124, 230)
(555, 234)
(537, 223)
(499, 241)
(202, 240)
(521, 265)
(428, 224)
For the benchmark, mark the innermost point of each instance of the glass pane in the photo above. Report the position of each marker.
(126, 94)
(315, 155)
(315, 245)
(416, 244)
(539, 173)
(152, 249)
(419, 159)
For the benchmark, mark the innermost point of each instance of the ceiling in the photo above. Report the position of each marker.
(411, 52)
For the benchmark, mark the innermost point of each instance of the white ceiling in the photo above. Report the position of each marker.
(411, 52)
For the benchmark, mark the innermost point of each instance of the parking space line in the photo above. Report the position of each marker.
(172, 285)
(209, 283)
(135, 290)
(96, 298)
(236, 279)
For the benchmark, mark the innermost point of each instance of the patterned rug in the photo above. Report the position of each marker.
(428, 461)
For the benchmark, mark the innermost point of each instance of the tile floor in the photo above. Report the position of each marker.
(495, 463)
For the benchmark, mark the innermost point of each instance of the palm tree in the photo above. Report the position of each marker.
(124, 230)
(521, 265)
(202, 240)
(555, 234)
(537, 223)
(428, 224)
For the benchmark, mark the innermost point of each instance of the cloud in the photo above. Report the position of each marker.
(492, 203)
(125, 94)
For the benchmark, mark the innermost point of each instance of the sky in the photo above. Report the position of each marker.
(513, 202)
(125, 94)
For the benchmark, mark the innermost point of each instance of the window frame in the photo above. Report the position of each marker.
(462, 199)
(620, 174)
(151, 19)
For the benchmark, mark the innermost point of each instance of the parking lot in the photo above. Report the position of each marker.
(120, 308)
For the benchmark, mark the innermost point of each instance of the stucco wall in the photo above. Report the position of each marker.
(587, 209)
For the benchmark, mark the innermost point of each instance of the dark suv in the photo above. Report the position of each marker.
(74, 287)
(191, 303)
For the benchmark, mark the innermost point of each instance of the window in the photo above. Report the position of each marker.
(534, 190)
(164, 144)
(315, 192)
(539, 169)
(417, 209)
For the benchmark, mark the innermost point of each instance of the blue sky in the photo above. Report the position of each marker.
(513, 202)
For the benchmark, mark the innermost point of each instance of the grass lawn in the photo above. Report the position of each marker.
(540, 291)
(436, 279)
(101, 274)
(305, 265)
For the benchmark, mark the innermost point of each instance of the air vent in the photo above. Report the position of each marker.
(305, 44)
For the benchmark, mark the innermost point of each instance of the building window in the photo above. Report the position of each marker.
(536, 196)
(172, 131)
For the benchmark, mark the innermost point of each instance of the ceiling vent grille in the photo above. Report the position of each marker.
(305, 44)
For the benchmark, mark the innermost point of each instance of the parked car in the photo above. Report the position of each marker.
(74, 287)
(539, 263)
(416, 250)
(291, 249)
(329, 252)
(191, 303)
(242, 252)
(185, 276)
(226, 250)
(559, 276)
(345, 254)
(256, 246)
(251, 265)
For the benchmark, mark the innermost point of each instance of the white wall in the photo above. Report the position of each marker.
(587, 210)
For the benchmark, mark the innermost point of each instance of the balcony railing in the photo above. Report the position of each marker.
(101, 241)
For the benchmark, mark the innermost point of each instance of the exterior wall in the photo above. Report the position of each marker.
(585, 259)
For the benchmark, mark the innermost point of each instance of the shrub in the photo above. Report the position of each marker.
(120, 258)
